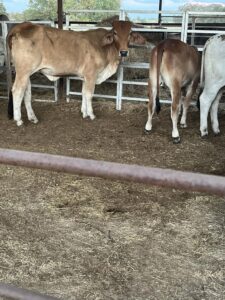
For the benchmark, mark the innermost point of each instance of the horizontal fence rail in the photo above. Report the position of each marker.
(119, 82)
(5, 26)
(12, 292)
(186, 28)
(153, 176)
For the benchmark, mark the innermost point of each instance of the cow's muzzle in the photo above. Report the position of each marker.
(123, 53)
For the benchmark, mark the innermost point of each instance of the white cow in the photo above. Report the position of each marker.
(212, 82)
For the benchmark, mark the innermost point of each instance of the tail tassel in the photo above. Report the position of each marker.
(10, 106)
(158, 105)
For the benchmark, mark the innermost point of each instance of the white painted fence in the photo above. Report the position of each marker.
(6, 67)
(183, 30)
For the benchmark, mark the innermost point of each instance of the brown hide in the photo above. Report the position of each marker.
(93, 55)
(178, 64)
(176, 60)
(69, 52)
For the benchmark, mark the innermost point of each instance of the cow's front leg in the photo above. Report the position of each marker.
(84, 106)
(176, 95)
(18, 90)
(87, 93)
(27, 99)
(148, 125)
(151, 107)
(206, 100)
(214, 114)
(186, 103)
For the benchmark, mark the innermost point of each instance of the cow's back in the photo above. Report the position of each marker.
(179, 61)
(44, 47)
(214, 59)
(26, 42)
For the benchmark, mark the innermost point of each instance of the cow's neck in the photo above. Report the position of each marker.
(111, 66)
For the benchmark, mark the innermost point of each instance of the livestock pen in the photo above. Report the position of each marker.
(76, 237)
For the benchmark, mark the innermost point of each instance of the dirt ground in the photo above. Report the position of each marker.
(77, 237)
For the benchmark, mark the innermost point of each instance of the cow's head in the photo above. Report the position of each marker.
(122, 35)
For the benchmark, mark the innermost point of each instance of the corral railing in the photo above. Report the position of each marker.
(186, 29)
(152, 176)
(7, 68)
(201, 30)
(12, 292)
(119, 81)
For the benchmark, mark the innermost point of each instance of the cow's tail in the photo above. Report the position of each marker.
(10, 106)
(202, 77)
(159, 54)
(9, 77)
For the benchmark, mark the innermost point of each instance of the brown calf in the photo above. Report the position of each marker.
(93, 55)
(179, 66)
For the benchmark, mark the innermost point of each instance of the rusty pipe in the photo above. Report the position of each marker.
(188, 181)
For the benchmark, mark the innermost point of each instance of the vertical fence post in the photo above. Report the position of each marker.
(119, 90)
(68, 89)
(119, 93)
(122, 16)
(68, 78)
(186, 27)
(160, 13)
(7, 59)
(183, 26)
(60, 26)
(193, 28)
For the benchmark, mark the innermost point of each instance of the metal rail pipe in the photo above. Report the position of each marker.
(13, 292)
(153, 176)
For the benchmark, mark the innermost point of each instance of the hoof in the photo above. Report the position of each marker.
(34, 120)
(217, 133)
(19, 123)
(176, 140)
(92, 116)
(204, 136)
(147, 131)
(84, 115)
(183, 125)
(204, 133)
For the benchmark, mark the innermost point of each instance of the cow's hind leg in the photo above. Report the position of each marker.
(214, 114)
(151, 106)
(87, 93)
(176, 98)
(186, 103)
(27, 99)
(206, 99)
(18, 91)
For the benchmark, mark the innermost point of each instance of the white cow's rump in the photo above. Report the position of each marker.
(212, 82)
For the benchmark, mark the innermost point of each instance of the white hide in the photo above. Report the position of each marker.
(212, 81)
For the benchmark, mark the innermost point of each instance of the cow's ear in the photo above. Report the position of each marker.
(137, 38)
(107, 38)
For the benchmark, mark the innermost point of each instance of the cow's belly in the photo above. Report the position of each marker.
(108, 71)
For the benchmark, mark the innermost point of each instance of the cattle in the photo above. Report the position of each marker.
(212, 82)
(94, 55)
(178, 65)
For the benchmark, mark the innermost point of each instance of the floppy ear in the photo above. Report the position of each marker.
(137, 38)
(107, 38)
